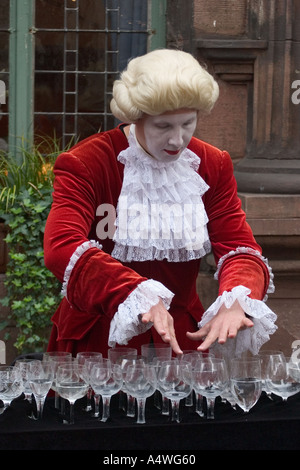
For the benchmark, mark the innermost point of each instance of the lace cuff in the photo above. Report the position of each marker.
(126, 321)
(80, 250)
(250, 251)
(250, 339)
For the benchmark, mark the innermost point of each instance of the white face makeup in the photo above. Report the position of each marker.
(165, 136)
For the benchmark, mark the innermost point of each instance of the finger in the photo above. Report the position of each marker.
(170, 338)
(146, 318)
(173, 341)
(234, 329)
(198, 335)
(208, 341)
(205, 345)
(175, 346)
(249, 323)
(194, 336)
(227, 332)
(169, 335)
(163, 328)
(157, 322)
(232, 332)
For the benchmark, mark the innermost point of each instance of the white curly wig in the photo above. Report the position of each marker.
(162, 80)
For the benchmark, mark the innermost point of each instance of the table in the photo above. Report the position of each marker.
(270, 425)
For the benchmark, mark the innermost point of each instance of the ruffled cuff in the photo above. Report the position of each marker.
(250, 339)
(80, 250)
(126, 322)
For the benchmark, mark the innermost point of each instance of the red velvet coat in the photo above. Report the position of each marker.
(89, 175)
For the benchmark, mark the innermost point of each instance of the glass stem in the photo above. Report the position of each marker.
(175, 410)
(122, 401)
(189, 399)
(6, 405)
(89, 399)
(28, 396)
(157, 403)
(141, 402)
(199, 404)
(97, 398)
(130, 406)
(56, 401)
(210, 408)
(106, 409)
(165, 408)
(62, 406)
(71, 421)
(39, 408)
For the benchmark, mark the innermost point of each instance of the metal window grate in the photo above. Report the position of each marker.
(122, 32)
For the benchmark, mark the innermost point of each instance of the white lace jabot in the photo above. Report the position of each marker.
(160, 213)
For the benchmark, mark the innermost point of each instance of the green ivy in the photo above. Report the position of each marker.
(32, 291)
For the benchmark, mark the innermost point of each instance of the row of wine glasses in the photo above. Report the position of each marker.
(35, 379)
(281, 375)
(192, 376)
(270, 372)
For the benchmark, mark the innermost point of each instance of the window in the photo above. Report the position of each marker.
(78, 48)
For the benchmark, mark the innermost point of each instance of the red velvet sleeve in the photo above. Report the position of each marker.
(247, 271)
(98, 283)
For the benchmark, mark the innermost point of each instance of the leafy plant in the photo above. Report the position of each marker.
(32, 292)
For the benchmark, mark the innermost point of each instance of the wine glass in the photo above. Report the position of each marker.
(11, 385)
(57, 358)
(174, 382)
(265, 358)
(50, 354)
(24, 365)
(125, 362)
(106, 379)
(155, 353)
(245, 381)
(81, 359)
(84, 355)
(114, 355)
(89, 362)
(192, 356)
(71, 385)
(141, 382)
(293, 368)
(283, 377)
(40, 377)
(210, 379)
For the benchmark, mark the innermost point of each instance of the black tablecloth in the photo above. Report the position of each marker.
(270, 425)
